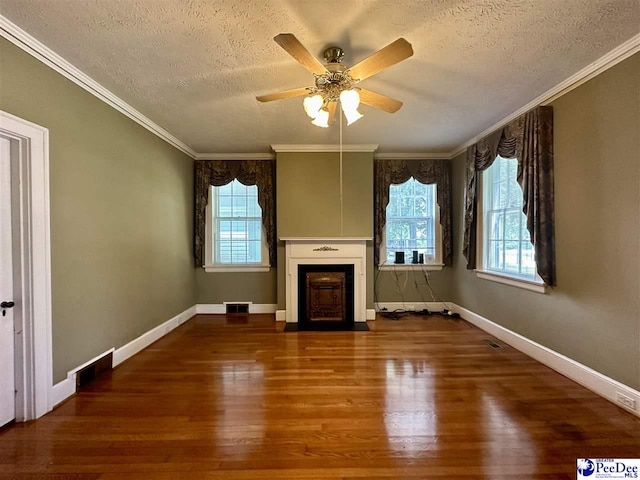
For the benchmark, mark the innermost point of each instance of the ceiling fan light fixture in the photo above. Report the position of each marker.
(321, 119)
(335, 82)
(349, 99)
(312, 105)
(352, 115)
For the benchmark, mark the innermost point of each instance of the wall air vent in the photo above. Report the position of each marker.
(491, 343)
(89, 373)
(231, 308)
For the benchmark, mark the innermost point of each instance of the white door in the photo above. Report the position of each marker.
(7, 358)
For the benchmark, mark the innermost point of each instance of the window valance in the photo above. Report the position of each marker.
(248, 172)
(395, 172)
(529, 138)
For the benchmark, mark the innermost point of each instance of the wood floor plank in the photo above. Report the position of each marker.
(238, 399)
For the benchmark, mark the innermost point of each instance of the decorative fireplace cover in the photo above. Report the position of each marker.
(325, 297)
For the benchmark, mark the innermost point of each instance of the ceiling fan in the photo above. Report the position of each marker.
(335, 82)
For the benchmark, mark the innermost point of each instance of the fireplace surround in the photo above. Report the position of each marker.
(325, 297)
(327, 253)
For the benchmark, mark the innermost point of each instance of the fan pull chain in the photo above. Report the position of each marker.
(341, 207)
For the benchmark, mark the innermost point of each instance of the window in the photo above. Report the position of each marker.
(506, 245)
(235, 238)
(412, 223)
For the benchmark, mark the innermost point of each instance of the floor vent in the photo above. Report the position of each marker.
(89, 373)
(491, 343)
(237, 308)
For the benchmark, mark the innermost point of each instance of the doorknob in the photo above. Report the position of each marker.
(4, 305)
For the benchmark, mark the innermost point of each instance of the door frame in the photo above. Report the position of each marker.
(32, 270)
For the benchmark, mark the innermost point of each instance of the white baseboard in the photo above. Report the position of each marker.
(210, 309)
(220, 308)
(143, 341)
(67, 387)
(587, 377)
(410, 306)
(371, 314)
(281, 315)
(263, 308)
(63, 390)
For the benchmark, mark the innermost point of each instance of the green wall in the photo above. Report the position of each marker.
(308, 205)
(218, 287)
(411, 286)
(121, 214)
(593, 315)
(308, 202)
(308, 194)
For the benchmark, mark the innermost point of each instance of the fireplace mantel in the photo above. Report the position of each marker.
(326, 251)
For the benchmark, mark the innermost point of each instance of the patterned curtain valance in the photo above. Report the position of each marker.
(395, 172)
(248, 172)
(529, 138)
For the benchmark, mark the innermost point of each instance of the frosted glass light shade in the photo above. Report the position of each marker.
(312, 105)
(351, 115)
(322, 119)
(349, 99)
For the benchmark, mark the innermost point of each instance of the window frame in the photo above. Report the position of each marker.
(535, 284)
(210, 265)
(436, 263)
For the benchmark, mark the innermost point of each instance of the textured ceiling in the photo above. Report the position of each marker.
(195, 67)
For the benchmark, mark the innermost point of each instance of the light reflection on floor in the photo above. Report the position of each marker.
(410, 417)
(497, 445)
(234, 423)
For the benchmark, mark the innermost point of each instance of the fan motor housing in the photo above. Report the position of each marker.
(333, 55)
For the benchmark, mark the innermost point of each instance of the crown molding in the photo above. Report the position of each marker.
(615, 56)
(235, 156)
(33, 47)
(297, 148)
(320, 148)
(462, 148)
(411, 156)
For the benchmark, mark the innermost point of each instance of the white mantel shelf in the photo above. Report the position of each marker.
(325, 239)
(321, 148)
(326, 251)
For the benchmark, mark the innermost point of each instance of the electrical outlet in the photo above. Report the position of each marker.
(628, 402)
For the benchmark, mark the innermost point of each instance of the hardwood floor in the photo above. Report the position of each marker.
(235, 398)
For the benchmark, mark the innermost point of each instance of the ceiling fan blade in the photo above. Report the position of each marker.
(385, 57)
(332, 112)
(382, 102)
(295, 92)
(293, 47)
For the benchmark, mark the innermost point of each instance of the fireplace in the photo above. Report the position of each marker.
(325, 297)
(342, 260)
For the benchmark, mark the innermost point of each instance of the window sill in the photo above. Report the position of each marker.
(530, 285)
(236, 268)
(411, 266)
